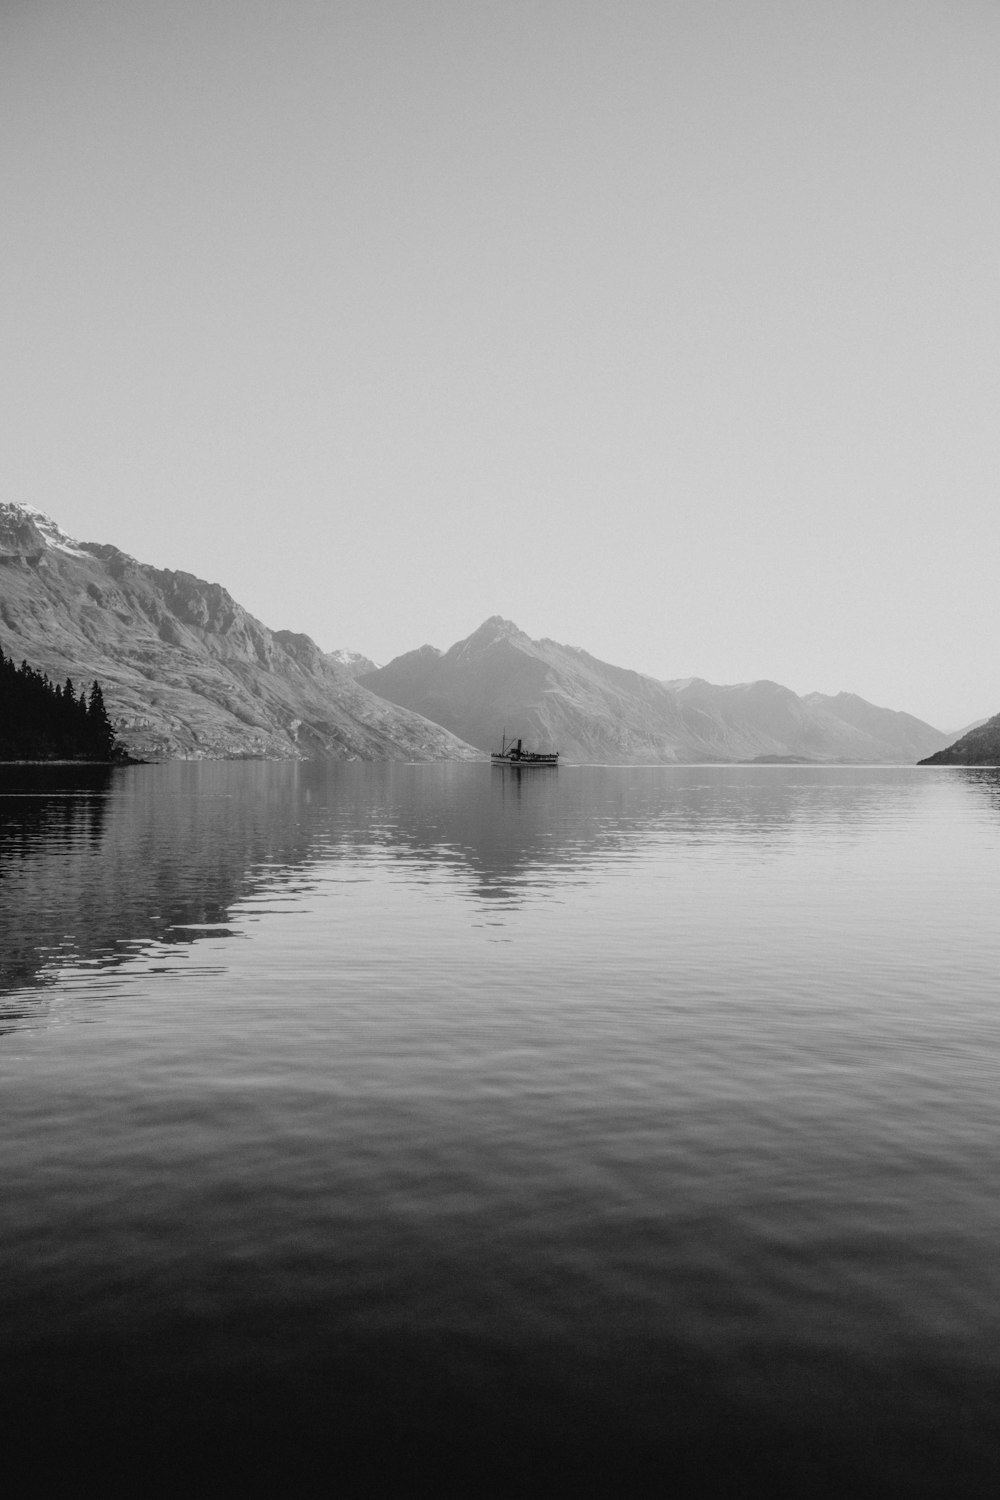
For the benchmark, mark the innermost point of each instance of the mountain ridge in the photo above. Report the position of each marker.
(561, 697)
(189, 672)
(186, 670)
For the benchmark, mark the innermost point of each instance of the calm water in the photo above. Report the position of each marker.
(391, 1124)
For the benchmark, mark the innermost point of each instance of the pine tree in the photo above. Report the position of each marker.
(39, 720)
(99, 730)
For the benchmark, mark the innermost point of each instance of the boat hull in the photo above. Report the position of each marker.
(522, 762)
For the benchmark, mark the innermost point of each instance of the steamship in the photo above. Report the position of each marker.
(514, 754)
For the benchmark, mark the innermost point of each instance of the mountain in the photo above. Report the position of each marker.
(352, 662)
(907, 735)
(957, 734)
(980, 746)
(561, 698)
(187, 671)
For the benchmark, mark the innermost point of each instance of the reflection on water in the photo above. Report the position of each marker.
(95, 863)
(636, 1128)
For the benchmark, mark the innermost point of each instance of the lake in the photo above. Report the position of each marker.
(392, 1126)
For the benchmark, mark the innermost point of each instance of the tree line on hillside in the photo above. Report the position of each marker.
(39, 720)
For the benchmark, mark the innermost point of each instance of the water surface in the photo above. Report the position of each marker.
(637, 1126)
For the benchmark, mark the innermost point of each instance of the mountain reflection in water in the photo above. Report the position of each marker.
(628, 1128)
(95, 863)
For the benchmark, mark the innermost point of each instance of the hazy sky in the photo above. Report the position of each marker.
(671, 330)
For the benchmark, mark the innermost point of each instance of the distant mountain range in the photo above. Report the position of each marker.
(186, 671)
(560, 697)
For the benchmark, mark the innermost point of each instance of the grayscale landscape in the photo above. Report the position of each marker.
(499, 749)
(188, 672)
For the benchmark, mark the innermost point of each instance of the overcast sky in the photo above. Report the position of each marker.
(670, 330)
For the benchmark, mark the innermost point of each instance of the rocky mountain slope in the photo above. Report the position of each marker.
(980, 746)
(560, 697)
(186, 670)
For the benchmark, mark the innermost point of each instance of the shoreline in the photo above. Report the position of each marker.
(128, 762)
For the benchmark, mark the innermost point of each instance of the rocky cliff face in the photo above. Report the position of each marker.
(979, 747)
(559, 697)
(186, 670)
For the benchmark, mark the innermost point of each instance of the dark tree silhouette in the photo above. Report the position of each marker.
(41, 721)
(99, 727)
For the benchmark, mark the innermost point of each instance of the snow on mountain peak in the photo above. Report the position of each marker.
(15, 518)
(351, 658)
